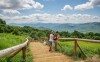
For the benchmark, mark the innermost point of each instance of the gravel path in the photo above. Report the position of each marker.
(41, 54)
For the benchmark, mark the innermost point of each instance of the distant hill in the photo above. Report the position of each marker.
(84, 27)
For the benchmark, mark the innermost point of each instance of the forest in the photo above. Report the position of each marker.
(30, 31)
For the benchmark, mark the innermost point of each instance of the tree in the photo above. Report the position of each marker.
(16, 30)
(33, 33)
(97, 34)
(77, 34)
(90, 34)
(64, 34)
(2, 21)
(41, 34)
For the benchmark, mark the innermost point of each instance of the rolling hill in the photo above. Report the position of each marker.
(83, 27)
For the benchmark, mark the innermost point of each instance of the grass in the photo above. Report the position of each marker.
(9, 40)
(90, 49)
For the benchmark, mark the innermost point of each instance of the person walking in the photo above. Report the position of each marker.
(35, 38)
(51, 40)
(56, 38)
(44, 41)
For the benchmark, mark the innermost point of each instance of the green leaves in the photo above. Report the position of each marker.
(2, 21)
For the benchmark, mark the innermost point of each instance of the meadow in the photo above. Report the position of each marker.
(9, 40)
(90, 49)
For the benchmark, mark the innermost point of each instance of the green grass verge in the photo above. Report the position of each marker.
(9, 40)
(90, 49)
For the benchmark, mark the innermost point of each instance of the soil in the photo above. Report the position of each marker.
(41, 53)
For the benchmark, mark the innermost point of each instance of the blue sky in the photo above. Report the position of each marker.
(54, 7)
(50, 11)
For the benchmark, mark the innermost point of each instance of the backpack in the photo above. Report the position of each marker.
(55, 37)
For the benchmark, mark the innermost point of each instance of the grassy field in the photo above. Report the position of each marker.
(90, 49)
(9, 40)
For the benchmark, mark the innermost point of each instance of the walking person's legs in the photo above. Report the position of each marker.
(50, 44)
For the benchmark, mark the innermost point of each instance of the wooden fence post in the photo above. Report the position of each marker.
(75, 47)
(81, 50)
(24, 54)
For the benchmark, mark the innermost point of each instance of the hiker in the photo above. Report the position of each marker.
(44, 41)
(51, 40)
(35, 38)
(56, 38)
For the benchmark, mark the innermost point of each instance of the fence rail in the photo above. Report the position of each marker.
(78, 39)
(76, 45)
(15, 50)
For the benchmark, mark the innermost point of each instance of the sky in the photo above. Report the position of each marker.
(50, 11)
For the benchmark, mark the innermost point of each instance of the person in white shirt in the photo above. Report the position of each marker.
(44, 41)
(51, 40)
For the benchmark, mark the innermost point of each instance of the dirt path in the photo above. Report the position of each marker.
(41, 54)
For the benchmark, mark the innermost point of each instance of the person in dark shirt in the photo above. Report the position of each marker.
(35, 38)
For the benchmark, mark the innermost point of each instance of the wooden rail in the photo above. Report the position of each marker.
(15, 50)
(78, 39)
(77, 45)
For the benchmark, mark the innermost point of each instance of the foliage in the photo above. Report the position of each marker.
(30, 31)
(2, 21)
(90, 49)
(9, 40)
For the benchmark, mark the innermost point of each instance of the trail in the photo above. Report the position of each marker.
(41, 54)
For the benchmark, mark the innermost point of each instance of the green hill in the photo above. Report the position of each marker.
(84, 27)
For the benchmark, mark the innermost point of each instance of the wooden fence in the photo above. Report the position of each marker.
(78, 39)
(15, 50)
(76, 45)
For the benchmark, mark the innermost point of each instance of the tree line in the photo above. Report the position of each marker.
(30, 31)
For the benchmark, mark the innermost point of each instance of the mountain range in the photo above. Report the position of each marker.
(70, 27)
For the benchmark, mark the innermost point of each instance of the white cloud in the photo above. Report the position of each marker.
(60, 15)
(53, 18)
(40, 11)
(88, 5)
(19, 4)
(95, 2)
(10, 11)
(13, 6)
(67, 7)
(48, 0)
(38, 5)
(1, 16)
